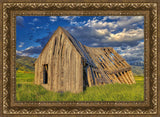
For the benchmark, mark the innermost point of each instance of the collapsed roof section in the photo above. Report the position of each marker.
(111, 67)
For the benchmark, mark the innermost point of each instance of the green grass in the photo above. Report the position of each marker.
(24, 77)
(26, 90)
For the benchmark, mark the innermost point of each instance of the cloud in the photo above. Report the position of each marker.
(20, 21)
(127, 42)
(39, 27)
(102, 31)
(53, 18)
(105, 18)
(111, 17)
(21, 44)
(132, 34)
(105, 37)
(115, 22)
(31, 23)
(43, 41)
(112, 31)
(35, 19)
(87, 35)
(114, 17)
(72, 20)
(133, 54)
(77, 23)
(30, 51)
(124, 21)
(68, 17)
(95, 23)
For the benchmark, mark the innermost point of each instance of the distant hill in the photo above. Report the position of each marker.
(138, 70)
(136, 63)
(25, 63)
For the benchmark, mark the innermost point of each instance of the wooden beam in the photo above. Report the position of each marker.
(97, 64)
(117, 71)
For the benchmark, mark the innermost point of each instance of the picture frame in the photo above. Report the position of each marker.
(11, 9)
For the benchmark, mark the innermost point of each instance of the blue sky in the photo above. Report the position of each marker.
(124, 33)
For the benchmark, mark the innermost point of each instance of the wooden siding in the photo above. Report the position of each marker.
(65, 70)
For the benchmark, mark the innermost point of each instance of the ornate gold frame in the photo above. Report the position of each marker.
(11, 9)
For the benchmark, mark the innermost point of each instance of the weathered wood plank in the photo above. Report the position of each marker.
(97, 64)
(89, 77)
(127, 77)
(131, 76)
(107, 63)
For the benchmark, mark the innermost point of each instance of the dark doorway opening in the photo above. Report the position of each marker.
(85, 81)
(45, 73)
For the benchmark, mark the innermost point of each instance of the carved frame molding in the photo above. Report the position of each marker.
(10, 10)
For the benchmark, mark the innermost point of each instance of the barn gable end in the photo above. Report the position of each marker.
(65, 69)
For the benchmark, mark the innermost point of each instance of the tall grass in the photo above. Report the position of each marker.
(26, 90)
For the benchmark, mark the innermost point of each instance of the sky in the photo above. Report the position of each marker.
(124, 33)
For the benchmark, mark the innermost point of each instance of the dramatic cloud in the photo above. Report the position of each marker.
(109, 31)
(124, 21)
(133, 54)
(118, 21)
(130, 35)
(95, 23)
(102, 31)
(86, 35)
(103, 37)
(53, 18)
(30, 51)
(19, 21)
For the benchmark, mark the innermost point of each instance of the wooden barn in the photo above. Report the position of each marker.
(66, 65)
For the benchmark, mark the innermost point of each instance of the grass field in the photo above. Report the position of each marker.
(26, 90)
